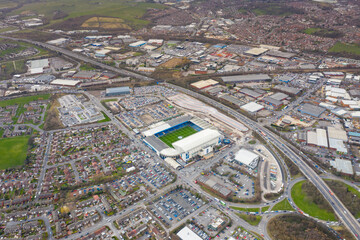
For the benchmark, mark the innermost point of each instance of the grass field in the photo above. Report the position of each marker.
(174, 136)
(251, 219)
(105, 22)
(306, 205)
(13, 151)
(8, 69)
(23, 100)
(130, 11)
(340, 47)
(283, 205)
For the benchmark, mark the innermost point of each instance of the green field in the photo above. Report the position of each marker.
(13, 151)
(8, 69)
(304, 202)
(130, 11)
(340, 47)
(24, 100)
(283, 205)
(174, 136)
(251, 219)
(322, 32)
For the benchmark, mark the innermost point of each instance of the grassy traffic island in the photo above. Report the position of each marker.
(13, 151)
(306, 197)
(251, 219)
(295, 226)
(284, 205)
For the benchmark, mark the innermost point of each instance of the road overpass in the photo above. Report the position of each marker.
(83, 58)
(341, 211)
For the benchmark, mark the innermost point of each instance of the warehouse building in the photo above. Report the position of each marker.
(214, 186)
(118, 91)
(252, 107)
(246, 78)
(232, 99)
(65, 83)
(204, 84)
(343, 166)
(317, 138)
(311, 110)
(272, 102)
(137, 44)
(279, 96)
(85, 75)
(187, 234)
(247, 158)
(280, 54)
(336, 138)
(252, 93)
(256, 51)
(288, 90)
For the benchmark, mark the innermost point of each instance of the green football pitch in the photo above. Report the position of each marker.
(176, 135)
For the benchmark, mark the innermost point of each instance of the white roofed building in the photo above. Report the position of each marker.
(187, 234)
(246, 157)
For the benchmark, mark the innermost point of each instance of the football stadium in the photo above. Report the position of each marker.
(183, 137)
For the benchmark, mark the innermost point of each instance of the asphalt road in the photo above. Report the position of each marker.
(341, 211)
(83, 58)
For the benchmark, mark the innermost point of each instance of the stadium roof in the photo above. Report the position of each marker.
(156, 143)
(246, 78)
(252, 107)
(196, 140)
(157, 129)
(169, 152)
(187, 234)
(246, 157)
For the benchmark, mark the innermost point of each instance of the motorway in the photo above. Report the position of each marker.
(83, 58)
(298, 158)
(341, 211)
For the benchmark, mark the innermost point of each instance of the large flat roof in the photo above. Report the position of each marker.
(65, 82)
(204, 83)
(245, 156)
(337, 133)
(286, 89)
(312, 110)
(245, 78)
(252, 107)
(187, 234)
(343, 166)
(232, 99)
(256, 51)
(118, 90)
